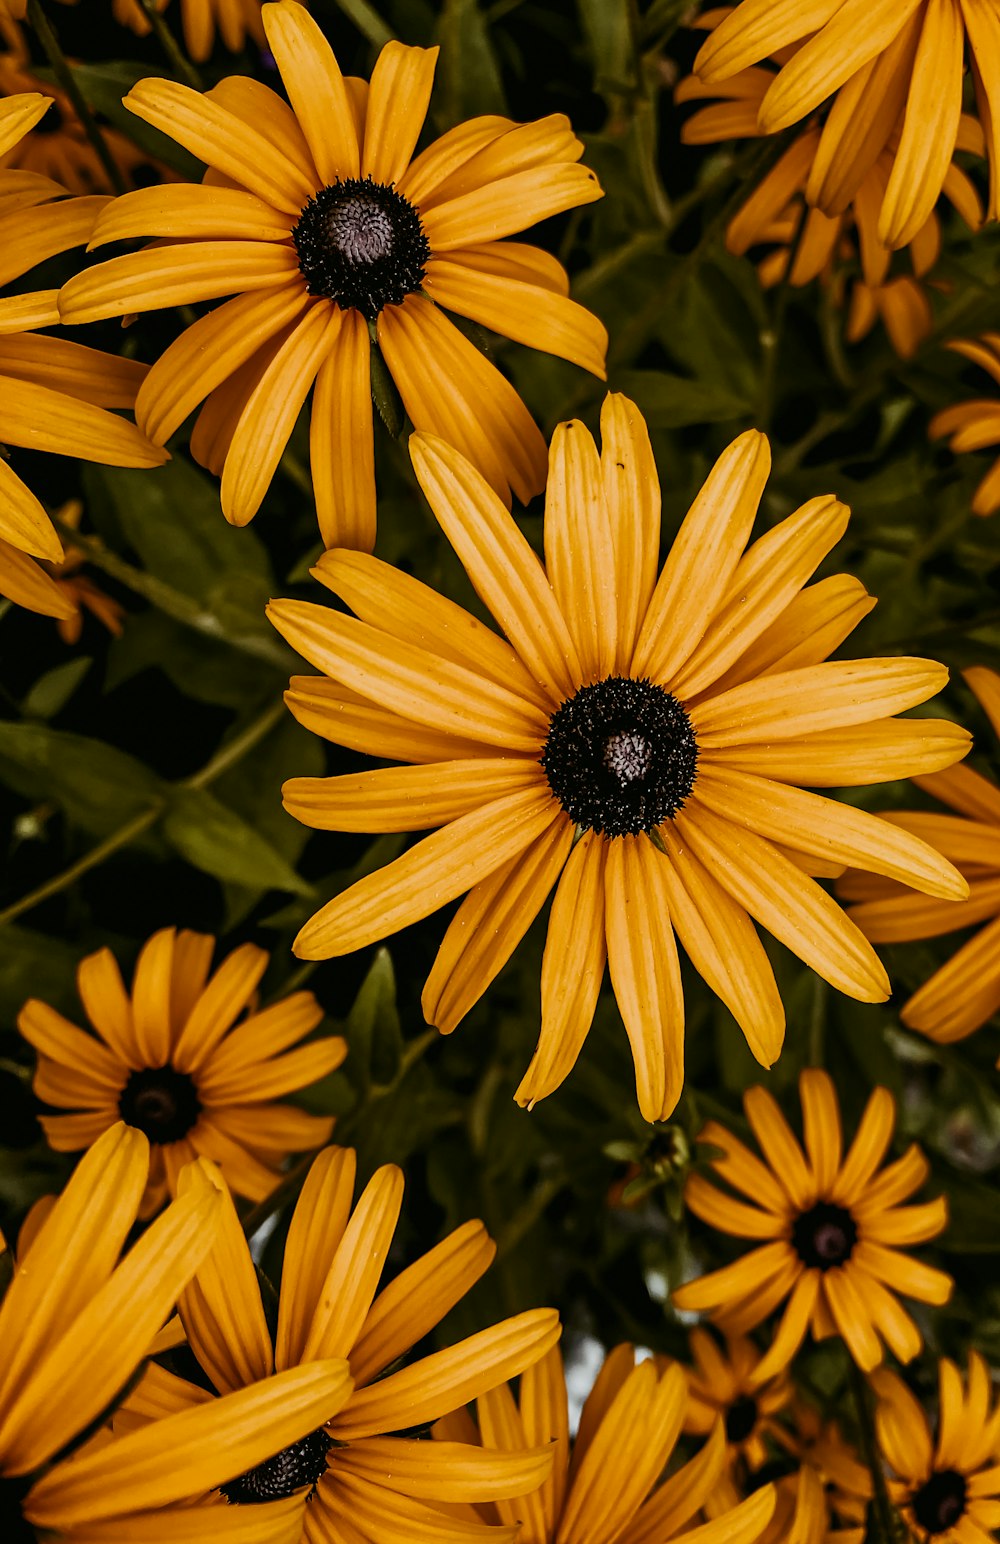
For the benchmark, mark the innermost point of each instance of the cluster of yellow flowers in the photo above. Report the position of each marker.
(640, 742)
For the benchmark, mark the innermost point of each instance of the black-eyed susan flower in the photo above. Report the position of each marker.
(721, 1384)
(637, 744)
(891, 76)
(177, 1059)
(74, 1325)
(54, 395)
(329, 233)
(965, 992)
(946, 1483)
(237, 23)
(807, 242)
(975, 424)
(830, 1229)
(607, 1484)
(360, 1482)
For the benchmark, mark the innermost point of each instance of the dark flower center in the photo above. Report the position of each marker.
(161, 1101)
(620, 756)
(361, 244)
(939, 1504)
(824, 1236)
(300, 1464)
(14, 1529)
(741, 1418)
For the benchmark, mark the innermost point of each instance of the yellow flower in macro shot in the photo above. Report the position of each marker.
(811, 242)
(329, 233)
(54, 395)
(965, 992)
(829, 1228)
(637, 744)
(947, 1486)
(238, 22)
(721, 1383)
(360, 1485)
(975, 424)
(177, 1060)
(606, 1484)
(75, 1323)
(891, 73)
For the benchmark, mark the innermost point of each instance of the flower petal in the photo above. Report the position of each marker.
(397, 106)
(579, 551)
(316, 90)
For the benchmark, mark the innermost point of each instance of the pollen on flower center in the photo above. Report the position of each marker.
(162, 1102)
(741, 1418)
(620, 756)
(361, 244)
(824, 1236)
(299, 1464)
(938, 1504)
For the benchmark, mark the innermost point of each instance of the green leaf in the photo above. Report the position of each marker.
(97, 787)
(53, 690)
(104, 85)
(372, 1029)
(673, 402)
(607, 25)
(32, 965)
(220, 842)
(468, 75)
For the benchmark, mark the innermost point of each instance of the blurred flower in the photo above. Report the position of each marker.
(58, 147)
(894, 74)
(171, 1061)
(330, 234)
(664, 723)
(721, 1383)
(947, 1488)
(606, 1484)
(810, 243)
(965, 992)
(54, 395)
(831, 1230)
(359, 1483)
(975, 424)
(74, 1325)
(236, 21)
(59, 589)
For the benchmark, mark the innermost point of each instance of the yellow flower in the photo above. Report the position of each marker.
(722, 1384)
(171, 1061)
(54, 395)
(891, 72)
(948, 1488)
(831, 1230)
(328, 232)
(238, 21)
(74, 1325)
(59, 589)
(810, 243)
(663, 722)
(58, 147)
(965, 992)
(975, 424)
(354, 1478)
(606, 1484)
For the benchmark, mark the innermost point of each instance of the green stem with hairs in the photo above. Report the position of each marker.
(45, 33)
(179, 61)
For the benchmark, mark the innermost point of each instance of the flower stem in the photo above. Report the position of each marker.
(884, 1523)
(111, 844)
(181, 64)
(367, 20)
(223, 759)
(45, 33)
